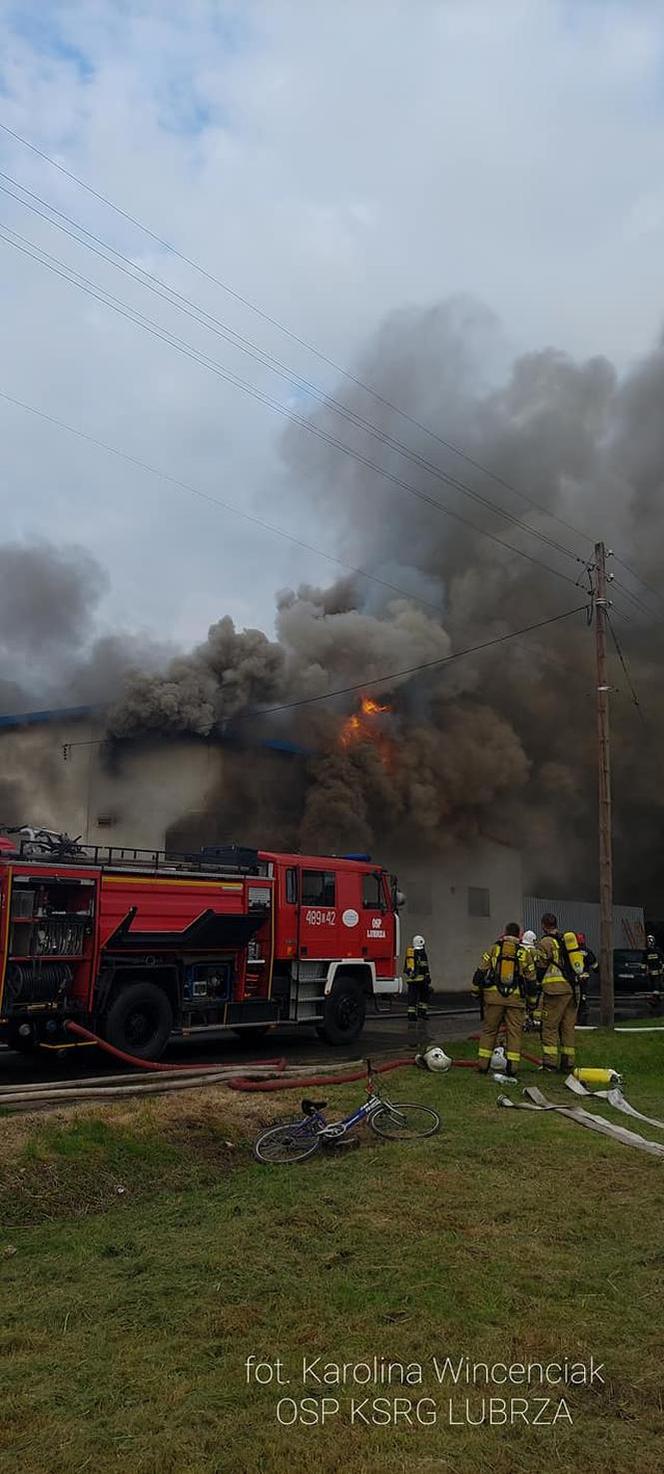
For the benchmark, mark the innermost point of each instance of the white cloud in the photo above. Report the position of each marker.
(332, 162)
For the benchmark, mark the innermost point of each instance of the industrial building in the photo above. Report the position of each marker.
(55, 771)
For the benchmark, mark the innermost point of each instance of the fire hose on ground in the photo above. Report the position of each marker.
(534, 1100)
(258, 1076)
(149, 1064)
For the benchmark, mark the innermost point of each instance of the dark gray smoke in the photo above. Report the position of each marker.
(500, 742)
(506, 740)
(232, 670)
(50, 651)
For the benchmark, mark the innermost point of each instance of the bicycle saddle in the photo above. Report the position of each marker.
(309, 1106)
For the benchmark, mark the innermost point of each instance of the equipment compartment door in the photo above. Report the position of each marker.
(257, 980)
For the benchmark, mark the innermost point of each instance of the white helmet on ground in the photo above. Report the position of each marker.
(419, 943)
(529, 939)
(435, 1058)
(498, 1059)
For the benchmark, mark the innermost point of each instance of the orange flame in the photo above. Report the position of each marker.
(360, 727)
(370, 707)
(351, 729)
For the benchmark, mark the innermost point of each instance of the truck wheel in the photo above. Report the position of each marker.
(344, 1012)
(139, 1020)
(21, 1044)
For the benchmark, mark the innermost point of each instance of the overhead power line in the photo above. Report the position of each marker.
(623, 662)
(288, 332)
(412, 670)
(634, 600)
(94, 290)
(384, 680)
(215, 501)
(155, 284)
(633, 574)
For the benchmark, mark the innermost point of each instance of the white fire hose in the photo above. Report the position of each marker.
(534, 1100)
(615, 1098)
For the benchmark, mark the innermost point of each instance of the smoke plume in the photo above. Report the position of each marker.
(500, 742)
(51, 653)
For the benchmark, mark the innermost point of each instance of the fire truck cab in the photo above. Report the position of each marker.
(144, 946)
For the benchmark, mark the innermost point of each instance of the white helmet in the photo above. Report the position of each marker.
(650, 941)
(435, 1058)
(498, 1060)
(419, 943)
(529, 939)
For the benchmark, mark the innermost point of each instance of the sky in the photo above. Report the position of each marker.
(331, 164)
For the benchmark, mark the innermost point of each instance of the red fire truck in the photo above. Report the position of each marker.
(143, 946)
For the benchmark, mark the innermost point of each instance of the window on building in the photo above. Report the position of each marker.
(318, 888)
(291, 886)
(372, 892)
(479, 901)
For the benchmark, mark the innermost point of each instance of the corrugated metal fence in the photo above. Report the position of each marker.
(583, 916)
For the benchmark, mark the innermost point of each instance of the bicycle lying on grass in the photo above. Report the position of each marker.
(296, 1140)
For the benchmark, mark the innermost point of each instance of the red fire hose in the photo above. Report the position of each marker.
(243, 1082)
(151, 1064)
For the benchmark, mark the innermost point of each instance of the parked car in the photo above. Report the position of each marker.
(630, 974)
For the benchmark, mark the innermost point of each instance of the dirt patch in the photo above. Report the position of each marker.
(71, 1161)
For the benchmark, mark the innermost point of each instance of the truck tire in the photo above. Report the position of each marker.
(344, 1011)
(21, 1044)
(139, 1020)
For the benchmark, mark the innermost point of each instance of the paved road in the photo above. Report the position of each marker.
(382, 1035)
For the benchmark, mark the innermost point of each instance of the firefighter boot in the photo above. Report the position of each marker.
(422, 1010)
(412, 1015)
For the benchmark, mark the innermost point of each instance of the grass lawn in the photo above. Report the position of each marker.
(144, 1256)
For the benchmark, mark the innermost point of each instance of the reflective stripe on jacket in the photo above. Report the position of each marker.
(654, 962)
(549, 957)
(416, 966)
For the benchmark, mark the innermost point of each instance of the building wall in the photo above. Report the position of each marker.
(60, 776)
(459, 903)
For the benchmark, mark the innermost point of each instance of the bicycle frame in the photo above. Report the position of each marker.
(295, 1140)
(315, 1124)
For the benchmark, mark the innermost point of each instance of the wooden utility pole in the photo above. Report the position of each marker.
(604, 769)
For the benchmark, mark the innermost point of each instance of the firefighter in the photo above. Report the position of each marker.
(560, 969)
(655, 966)
(533, 1019)
(505, 979)
(418, 977)
(590, 965)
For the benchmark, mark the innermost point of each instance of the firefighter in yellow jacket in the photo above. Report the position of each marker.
(504, 981)
(560, 967)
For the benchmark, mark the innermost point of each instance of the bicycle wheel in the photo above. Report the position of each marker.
(289, 1143)
(402, 1121)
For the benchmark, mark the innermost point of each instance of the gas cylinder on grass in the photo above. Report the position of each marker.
(598, 1079)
